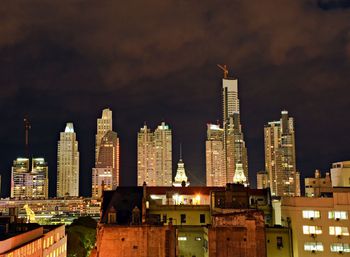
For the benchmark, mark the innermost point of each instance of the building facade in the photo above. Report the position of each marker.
(340, 174)
(105, 175)
(320, 225)
(280, 158)
(154, 156)
(21, 239)
(68, 163)
(318, 186)
(215, 156)
(29, 179)
(262, 180)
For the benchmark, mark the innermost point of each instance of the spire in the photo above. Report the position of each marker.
(69, 128)
(181, 178)
(27, 127)
(180, 151)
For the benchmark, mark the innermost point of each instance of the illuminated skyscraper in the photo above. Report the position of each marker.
(145, 157)
(68, 163)
(163, 155)
(280, 160)
(104, 124)
(154, 156)
(29, 183)
(215, 156)
(234, 145)
(105, 175)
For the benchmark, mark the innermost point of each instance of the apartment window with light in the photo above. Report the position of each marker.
(182, 238)
(339, 247)
(308, 230)
(338, 215)
(313, 246)
(338, 231)
(311, 214)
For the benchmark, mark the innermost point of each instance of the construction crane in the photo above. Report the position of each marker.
(30, 214)
(225, 69)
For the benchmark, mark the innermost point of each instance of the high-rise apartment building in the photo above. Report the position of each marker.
(163, 155)
(145, 157)
(215, 156)
(105, 174)
(29, 180)
(280, 160)
(154, 156)
(68, 163)
(104, 124)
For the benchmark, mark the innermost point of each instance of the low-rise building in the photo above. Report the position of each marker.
(183, 221)
(319, 224)
(340, 174)
(318, 186)
(31, 239)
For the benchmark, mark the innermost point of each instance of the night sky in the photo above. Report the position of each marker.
(153, 60)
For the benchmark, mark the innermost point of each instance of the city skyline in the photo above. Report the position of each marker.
(66, 62)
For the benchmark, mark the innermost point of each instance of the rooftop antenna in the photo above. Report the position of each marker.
(27, 127)
(225, 69)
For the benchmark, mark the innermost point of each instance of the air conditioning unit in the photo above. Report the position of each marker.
(340, 252)
(337, 219)
(311, 218)
(339, 236)
(313, 251)
(313, 235)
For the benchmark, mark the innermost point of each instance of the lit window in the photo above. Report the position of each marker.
(307, 230)
(339, 247)
(310, 214)
(198, 239)
(313, 246)
(182, 238)
(338, 231)
(338, 215)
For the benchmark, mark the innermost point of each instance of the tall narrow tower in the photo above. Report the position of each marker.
(280, 159)
(234, 145)
(215, 156)
(145, 157)
(163, 155)
(67, 163)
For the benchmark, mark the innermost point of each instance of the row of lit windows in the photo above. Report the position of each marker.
(318, 247)
(27, 250)
(333, 230)
(58, 251)
(336, 215)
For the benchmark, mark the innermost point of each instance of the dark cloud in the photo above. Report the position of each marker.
(66, 60)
